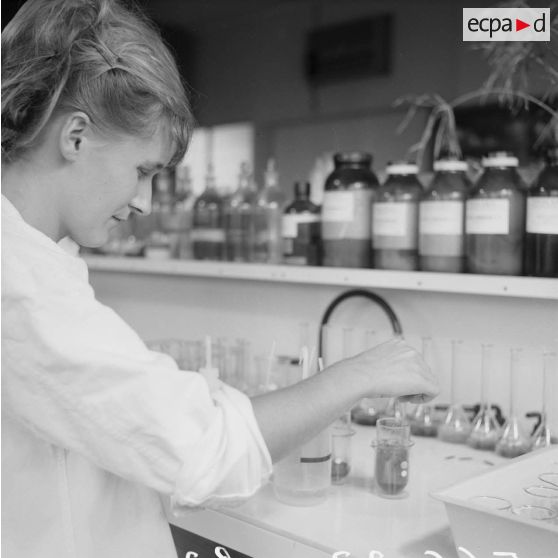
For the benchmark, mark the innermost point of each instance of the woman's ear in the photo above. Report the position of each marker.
(73, 133)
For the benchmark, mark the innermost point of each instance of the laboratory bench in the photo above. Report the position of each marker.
(353, 519)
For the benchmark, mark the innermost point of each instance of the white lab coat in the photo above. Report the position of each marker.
(95, 426)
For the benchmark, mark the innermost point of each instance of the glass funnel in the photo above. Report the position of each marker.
(485, 430)
(456, 427)
(543, 436)
(422, 418)
(514, 441)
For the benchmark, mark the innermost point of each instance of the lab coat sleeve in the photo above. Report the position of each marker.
(80, 378)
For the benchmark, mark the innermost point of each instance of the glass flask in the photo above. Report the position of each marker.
(208, 234)
(239, 218)
(422, 419)
(368, 410)
(495, 218)
(456, 426)
(268, 247)
(513, 441)
(395, 219)
(541, 240)
(346, 211)
(301, 229)
(485, 430)
(442, 218)
(543, 436)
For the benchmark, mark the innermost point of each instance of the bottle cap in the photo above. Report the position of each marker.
(500, 159)
(450, 165)
(353, 157)
(402, 167)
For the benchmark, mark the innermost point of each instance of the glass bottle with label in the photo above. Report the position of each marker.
(208, 234)
(541, 242)
(269, 211)
(239, 213)
(301, 229)
(495, 218)
(346, 211)
(442, 218)
(395, 219)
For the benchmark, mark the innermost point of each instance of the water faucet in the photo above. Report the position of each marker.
(373, 297)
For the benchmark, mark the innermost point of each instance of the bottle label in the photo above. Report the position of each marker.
(291, 222)
(542, 215)
(208, 235)
(395, 225)
(346, 215)
(441, 217)
(488, 216)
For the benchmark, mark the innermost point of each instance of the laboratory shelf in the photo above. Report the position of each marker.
(490, 285)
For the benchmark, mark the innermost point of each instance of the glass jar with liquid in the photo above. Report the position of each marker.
(346, 211)
(442, 218)
(495, 218)
(395, 219)
(541, 241)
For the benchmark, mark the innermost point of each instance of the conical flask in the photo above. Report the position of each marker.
(485, 431)
(456, 427)
(422, 419)
(514, 441)
(543, 437)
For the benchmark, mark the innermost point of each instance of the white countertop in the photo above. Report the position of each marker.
(353, 519)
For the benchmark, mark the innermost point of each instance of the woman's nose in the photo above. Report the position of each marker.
(142, 201)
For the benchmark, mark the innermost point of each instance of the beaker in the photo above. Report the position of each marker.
(537, 513)
(456, 426)
(491, 502)
(543, 436)
(303, 478)
(543, 496)
(514, 441)
(485, 430)
(341, 439)
(392, 446)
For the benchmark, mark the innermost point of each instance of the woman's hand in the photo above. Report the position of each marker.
(393, 369)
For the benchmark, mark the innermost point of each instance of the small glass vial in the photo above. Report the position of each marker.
(442, 219)
(346, 211)
(301, 229)
(395, 219)
(495, 218)
(541, 242)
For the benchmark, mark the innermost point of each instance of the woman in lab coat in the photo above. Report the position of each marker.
(95, 426)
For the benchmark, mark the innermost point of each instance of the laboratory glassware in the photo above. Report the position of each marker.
(513, 441)
(543, 435)
(456, 426)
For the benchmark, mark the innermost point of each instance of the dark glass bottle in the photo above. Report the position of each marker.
(395, 219)
(239, 211)
(346, 211)
(495, 218)
(541, 241)
(442, 218)
(301, 229)
(208, 234)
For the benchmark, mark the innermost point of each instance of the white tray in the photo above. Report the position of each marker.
(480, 532)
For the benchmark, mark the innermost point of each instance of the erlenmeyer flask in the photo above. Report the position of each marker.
(543, 436)
(456, 427)
(422, 419)
(513, 441)
(485, 431)
(368, 410)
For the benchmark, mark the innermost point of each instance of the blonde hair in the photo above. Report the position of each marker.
(96, 56)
